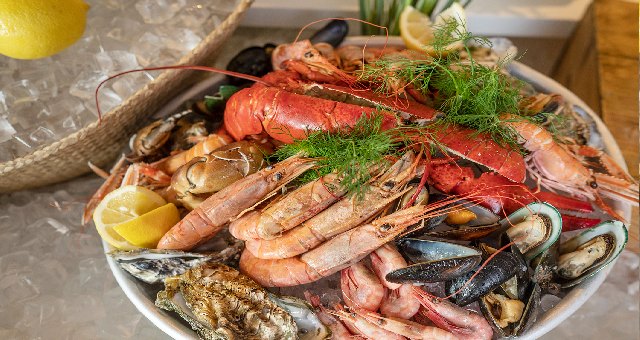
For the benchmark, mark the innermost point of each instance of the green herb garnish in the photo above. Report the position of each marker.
(351, 152)
(470, 94)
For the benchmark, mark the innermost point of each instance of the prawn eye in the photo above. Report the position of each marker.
(385, 227)
(308, 54)
(593, 184)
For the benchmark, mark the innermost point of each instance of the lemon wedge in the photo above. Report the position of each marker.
(125, 205)
(145, 231)
(416, 29)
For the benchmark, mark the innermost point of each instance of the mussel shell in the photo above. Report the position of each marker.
(543, 269)
(332, 33)
(254, 61)
(466, 233)
(544, 209)
(309, 325)
(531, 299)
(499, 269)
(434, 261)
(616, 229)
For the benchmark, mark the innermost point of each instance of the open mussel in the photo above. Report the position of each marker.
(534, 228)
(511, 316)
(587, 253)
(434, 261)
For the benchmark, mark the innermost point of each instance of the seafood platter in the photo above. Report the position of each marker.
(330, 189)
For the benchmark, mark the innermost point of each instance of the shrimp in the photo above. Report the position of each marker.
(362, 327)
(339, 217)
(385, 260)
(332, 256)
(360, 287)
(338, 329)
(371, 322)
(400, 303)
(211, 215)
(287, 213)
(556, 168)
(465, 324)
(212, 142)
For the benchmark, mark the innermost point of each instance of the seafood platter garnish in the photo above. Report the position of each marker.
(343, 191)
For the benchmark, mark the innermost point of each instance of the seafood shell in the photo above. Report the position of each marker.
(526, 307)
(501, 268)
(434, 261)
(154, 265)
(220, 303)
(613, 233)
(527, 226)
(309, 325)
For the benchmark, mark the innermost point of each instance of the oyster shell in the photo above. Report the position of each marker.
(309, 325)
(154, 265)
(220, 303)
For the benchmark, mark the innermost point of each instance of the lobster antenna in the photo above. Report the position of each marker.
(173, 67)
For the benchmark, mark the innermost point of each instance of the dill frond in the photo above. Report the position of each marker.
(352, 153)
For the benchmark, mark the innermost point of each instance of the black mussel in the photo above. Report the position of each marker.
(333, 33)
(589, 252)
(502, 267)
(254, 61)
(511, 316)
(434, 261)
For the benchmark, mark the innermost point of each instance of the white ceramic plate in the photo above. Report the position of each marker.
(143, 296)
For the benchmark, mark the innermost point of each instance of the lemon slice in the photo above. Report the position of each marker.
(416, 29)
(122, 205)
(145, 231)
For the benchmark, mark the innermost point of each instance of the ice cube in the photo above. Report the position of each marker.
(194, 16)
(17, 287)
(6, 130)
(146, 48)
(111, 62)
(124, 29)
(128, 84)
(42, 135)
(19, 92)
(27, 115)
(85, 84)
(158, 11)
(179, 39)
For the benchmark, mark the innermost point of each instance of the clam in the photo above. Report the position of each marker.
(587, 253)
(434, 261)
(220, 303)
(534, 228)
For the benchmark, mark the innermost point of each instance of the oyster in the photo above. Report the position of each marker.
(589, 252)
(154, 265)
(220, 303)
(309, 325)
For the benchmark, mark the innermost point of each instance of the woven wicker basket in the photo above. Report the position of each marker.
(101, 143)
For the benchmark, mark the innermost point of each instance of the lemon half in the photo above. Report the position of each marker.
(131, 217)
(416, 29)
(32, 29)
